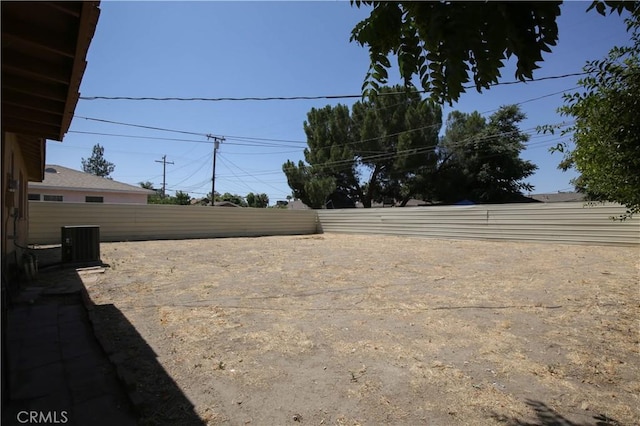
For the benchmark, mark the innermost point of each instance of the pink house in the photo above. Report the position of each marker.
(72, 186)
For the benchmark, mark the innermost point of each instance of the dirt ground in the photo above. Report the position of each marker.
(347, 330)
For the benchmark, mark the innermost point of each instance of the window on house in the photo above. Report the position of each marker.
(34, 197)
(92, 199)
(53, 198)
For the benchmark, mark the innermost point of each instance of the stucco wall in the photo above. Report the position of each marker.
(15, 214)
(79, 196)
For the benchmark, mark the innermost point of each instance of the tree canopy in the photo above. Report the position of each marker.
(227, 196)
(97, 164)
(181, 198)
(446, 44)
(388, 149)
(257, 200)
(480, 160)
(381, 149)
(606, 133)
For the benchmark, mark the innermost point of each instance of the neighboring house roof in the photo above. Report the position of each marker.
(58, 177)
(297, 205)
(205, 202)
(225, 204)
(559, 197)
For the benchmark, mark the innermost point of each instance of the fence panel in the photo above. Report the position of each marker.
(553, 222)
(130, 222)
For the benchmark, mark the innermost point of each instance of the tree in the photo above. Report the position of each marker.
(480, 161)
(606, 133)
(182, 198)
(257, 200)
(233, 198)
(96, 164)
(151, 198)
(396, 134)
(441, 42)
(382, 149)
(308, 184)
(329, 155)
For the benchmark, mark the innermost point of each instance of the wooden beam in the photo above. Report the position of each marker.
(88, 22)
(70, 8)
(29, 128)
(52, 119)
(16, 99)
(14, 62)
(39, 89)
(14, 31)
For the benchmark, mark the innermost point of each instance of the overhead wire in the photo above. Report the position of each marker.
(265, 142)
(240, 140)
(250, 175)
(229, 167)
(205, 161)
(295, 98)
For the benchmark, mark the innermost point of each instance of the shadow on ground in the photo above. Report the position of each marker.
(158, 398)
(546, 416)
(61, 360)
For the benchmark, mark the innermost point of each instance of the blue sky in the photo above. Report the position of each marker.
(263, 49)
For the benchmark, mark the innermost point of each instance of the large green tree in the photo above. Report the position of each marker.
(448, 44)
(257, 200)
(384, 148)
(97, 164)
(308, 183)
(330, 164)
(480, 159)
(606, 133)
(396, 134)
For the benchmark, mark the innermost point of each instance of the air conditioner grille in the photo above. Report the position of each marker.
(80, 244)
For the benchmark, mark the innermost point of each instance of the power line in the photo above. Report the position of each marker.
(262, 142)
(246, 173)
(140, 126)
(297, 98)
(138, 137)
(204, 162)
(233, 173)
(239, 139)
(418, 151)
(348, 163)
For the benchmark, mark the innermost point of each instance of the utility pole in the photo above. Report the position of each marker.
(164, 172)
(216, 145)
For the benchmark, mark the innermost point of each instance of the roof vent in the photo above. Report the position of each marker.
(50, 170)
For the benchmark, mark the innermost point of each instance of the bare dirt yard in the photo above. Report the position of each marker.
(348, 330)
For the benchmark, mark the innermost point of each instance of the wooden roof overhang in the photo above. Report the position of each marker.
(44, 50)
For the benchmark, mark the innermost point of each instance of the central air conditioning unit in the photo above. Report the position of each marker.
(81, 244)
